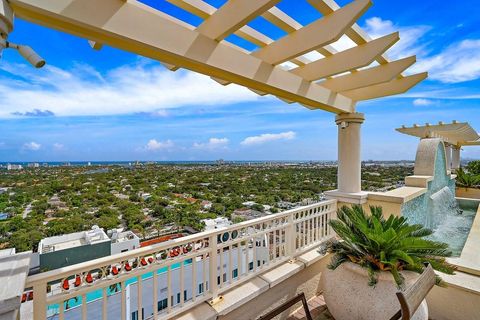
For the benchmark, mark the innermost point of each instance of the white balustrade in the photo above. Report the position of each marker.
(163, 280)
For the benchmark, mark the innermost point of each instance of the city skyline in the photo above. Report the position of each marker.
(108, 105)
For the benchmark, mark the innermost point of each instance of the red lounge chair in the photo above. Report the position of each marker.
(89, 278)
(78, 281)
(24, 297)
(30, 296)
(128, 268)
(143, 262)
(114, 270)
(150, 260)
(65, 285)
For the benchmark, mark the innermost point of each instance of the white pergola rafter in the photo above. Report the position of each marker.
(315, 84)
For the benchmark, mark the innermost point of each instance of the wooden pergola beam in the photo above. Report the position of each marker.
(347, 60)
(231, 16)
(368, 77)
(394, 87)
(315, 35)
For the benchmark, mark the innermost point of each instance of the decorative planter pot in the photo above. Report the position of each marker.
(349, 297)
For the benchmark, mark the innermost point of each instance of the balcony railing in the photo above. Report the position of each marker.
(163, 280)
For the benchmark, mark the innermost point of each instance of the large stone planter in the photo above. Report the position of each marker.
(472, 193)
(349, 297)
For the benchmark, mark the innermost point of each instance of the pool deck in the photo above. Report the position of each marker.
(469, 260)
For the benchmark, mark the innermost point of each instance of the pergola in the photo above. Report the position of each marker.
(455, 135)
(333, 81)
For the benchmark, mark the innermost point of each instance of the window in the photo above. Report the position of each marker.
(235, 273)
(185, 295)
(250, 266)
(161, 304)
(178, 297)
(200, 288)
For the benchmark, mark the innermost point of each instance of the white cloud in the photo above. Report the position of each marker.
(408, 44)
(58, 146)
(267, 137)
(213, 143)
(457, 63)
(154, 145)
(144, 87)
(32, 146)
(422, 102)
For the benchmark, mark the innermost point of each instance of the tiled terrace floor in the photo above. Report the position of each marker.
(318, 309)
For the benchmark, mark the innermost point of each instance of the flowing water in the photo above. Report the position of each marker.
(450, 222)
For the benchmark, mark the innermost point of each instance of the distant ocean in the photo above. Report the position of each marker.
(126, 163)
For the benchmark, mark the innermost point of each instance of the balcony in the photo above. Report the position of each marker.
(168, 279)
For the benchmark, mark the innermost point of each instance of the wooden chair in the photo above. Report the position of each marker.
(275, 312)
(412, 297)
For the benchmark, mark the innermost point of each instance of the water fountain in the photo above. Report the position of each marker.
(437, 208)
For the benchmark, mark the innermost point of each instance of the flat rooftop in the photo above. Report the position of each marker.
(72, 240)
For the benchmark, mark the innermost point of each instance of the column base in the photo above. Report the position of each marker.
(347, 197)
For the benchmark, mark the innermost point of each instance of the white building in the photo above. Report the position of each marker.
(33, 165)
(123, 241)
(220, 222)
(14, 167)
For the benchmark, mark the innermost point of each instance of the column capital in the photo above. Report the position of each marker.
(355, 117)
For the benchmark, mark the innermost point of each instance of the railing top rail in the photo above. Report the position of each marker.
(120, 257)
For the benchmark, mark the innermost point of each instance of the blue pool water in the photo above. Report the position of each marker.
(98, 294)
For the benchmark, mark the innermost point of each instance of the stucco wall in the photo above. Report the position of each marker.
(452, 303)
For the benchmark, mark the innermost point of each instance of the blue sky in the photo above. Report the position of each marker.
(113, 105)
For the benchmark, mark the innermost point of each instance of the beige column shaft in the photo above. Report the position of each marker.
(448, 150)
(349, 144)
(456, 158)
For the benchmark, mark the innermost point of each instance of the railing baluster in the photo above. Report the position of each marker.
(220, 273)
(194, 278)
(230, 264)
(155, 294)
(104, 304)
(84, 307)
(169, 289)
(40, 301)
(61, 308)
(204, 275)
(212, 283)
(124, 300)
(182, 283)
(139, 297)
(239, 259)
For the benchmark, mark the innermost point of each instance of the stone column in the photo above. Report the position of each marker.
(349, 144)
(456, 158)
(448, 150)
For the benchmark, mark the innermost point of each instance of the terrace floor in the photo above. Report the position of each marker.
(318, 310)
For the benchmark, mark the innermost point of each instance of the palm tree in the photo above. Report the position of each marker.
(380, 244)
(467, 180)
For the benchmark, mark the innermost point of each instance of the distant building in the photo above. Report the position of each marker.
(123, 241)
(69, 249)
(14, 167)
(3, 190)
(247, 214)
(33, 165)
(212, 224)
(4, 216)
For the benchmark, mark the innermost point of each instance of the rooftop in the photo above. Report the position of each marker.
(72, 240)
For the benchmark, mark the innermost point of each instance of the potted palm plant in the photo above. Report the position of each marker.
(372, 259)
